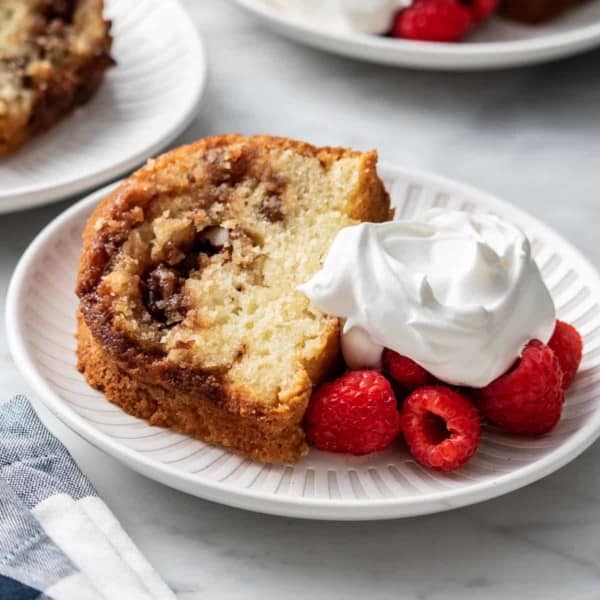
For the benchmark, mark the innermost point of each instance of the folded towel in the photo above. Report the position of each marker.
(57, 537)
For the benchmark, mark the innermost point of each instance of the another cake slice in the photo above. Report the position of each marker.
(189, 313)
(53, 55)
(535, 11)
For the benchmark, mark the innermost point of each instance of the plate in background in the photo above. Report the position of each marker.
(495, 44)
(40, 323)
(144, 102)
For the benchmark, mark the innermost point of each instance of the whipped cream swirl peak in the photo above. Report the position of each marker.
(457, 292)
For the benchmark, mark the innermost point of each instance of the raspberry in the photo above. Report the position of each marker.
(568, 347)
(441, 427)
(481, 9)
(355, 413)
(405, 372)
(529, 398)
(433, 21)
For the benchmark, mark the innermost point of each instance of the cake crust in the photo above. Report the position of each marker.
(142, 348)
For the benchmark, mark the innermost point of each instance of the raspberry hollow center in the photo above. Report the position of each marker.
(435, 428)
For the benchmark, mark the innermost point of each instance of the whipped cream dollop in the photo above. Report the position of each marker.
(457, 292)
(364, 16)
(370, 16)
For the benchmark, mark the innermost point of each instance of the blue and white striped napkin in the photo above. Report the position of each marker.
(57, 537)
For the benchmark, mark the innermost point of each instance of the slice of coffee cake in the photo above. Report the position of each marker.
(189, 313)
(53, 55)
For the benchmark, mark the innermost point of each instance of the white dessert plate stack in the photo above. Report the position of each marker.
(41, 321)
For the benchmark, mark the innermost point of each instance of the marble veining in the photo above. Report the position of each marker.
(531, 136)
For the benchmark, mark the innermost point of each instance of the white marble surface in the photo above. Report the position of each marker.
(531, 136)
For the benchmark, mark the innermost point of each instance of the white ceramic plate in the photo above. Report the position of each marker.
(497, 43)
(143, 104)
(40, 322)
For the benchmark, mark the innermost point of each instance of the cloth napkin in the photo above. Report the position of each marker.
(57, 537)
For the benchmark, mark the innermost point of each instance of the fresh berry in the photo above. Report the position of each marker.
(568, 347)
(441, 427)
(405, 372)
(355, 413)
(529, 398)
(433, 21)
(481, 9)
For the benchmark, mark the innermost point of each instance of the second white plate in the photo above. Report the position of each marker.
(40, 324)
(143, 104)
(497, 43)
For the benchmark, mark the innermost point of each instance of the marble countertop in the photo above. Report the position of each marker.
(531, 136)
